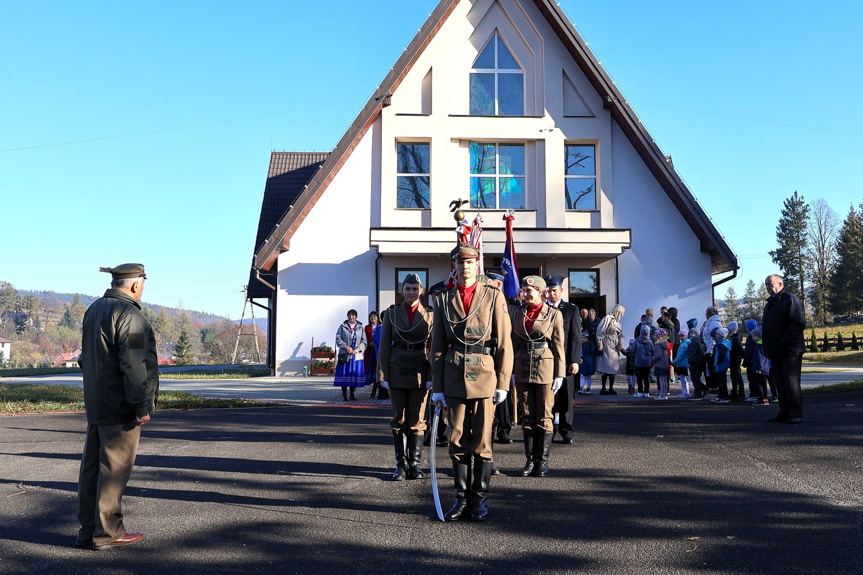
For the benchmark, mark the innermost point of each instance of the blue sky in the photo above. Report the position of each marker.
(142, 131)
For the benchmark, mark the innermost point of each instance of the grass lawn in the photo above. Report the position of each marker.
(25, 398)
(837, 388)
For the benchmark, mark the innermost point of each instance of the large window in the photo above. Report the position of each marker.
(497, 176)
(413, 175)
(580, 177)
(496, 81)
(583, 283)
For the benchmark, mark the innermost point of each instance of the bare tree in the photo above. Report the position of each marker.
(823, 233)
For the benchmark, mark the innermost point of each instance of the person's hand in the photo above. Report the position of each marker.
(385, 384)
(350, 350)
(439, 398)
(499, 396)
(556, 384)
(428, 384)
(139, 421)
(573, 368)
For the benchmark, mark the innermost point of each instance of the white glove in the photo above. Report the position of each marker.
(556, 384)
(428, 385)
(439, 397)
(385, 384)
(499, 396)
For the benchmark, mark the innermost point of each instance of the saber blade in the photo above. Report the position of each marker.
(432, 461)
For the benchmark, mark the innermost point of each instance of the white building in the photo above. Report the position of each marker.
(499, 102)
(5, 351)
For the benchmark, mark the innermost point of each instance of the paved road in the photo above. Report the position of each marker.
(650, 487)
(312, 391)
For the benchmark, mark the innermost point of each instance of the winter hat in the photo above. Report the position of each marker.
(721, 333)
(682, 334)
(694, 333)
(645, 329)
(660, 334)
(732, 327)
(714, 330)
(756, 333)
(691, 323)
(750, 325)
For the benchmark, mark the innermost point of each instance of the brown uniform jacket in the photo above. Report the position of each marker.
(403, 359)
(542, 364)
(471, 373)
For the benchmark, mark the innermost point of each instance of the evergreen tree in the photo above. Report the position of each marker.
(183, 349)
(68, 320)
(846, 282)
(813, 342)
(825, 345)
(732, 306)
(751, 304)
(840, 344)
(854, 345)
(792, 237)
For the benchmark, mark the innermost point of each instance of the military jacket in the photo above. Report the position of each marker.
(118, 360)
(471, 350)
(403, 359)
(539, 351)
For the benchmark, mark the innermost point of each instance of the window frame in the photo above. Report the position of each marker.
(592, 271)
(400, 273)
(497, 176)
(400, 175)
(593, 176)
(496, 37)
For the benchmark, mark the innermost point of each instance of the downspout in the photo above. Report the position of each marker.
(378, 282)
(616, 281)
(722, 281)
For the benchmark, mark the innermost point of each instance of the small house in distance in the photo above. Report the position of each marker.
(499, 102)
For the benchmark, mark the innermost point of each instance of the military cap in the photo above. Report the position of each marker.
(533, 281)
(126, 271)
(437, 288)
(465, 252)
(494, 276)
(412, 279)
(552, 281)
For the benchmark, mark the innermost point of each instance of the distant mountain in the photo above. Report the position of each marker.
(53, 299)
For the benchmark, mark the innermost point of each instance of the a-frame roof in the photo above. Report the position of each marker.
(723, 258)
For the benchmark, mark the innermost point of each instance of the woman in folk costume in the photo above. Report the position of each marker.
(403, 369)
(539, 369)
(351, 343)
(609, 340)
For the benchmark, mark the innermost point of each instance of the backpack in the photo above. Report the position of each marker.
(695, 353)
(721, 357)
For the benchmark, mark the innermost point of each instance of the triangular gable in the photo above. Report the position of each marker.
(722, 257)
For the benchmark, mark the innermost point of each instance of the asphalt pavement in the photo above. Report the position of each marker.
(649, 487)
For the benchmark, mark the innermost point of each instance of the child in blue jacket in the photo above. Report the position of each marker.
(681, 365)
(661, 362)
(721, 362)
(588, 362)
(760, 367)
(643, 361)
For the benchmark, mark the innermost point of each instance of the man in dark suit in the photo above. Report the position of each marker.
(572, 343)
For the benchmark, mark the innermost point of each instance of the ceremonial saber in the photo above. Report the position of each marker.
(432, 460)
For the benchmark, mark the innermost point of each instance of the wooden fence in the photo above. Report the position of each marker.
(832, 343)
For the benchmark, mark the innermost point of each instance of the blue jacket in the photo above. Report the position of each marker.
(643, 352)
(682, 357)
(720, 365)
(588, 357)
(760, 362)
(660, 355)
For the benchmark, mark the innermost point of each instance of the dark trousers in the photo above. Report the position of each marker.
(786, 373)
(751, 377)
(736, 379)
(503, 415)
(106, 465)
(563, 405)
(759, 382)
(642, 376)
(695, 372)
(721, 381)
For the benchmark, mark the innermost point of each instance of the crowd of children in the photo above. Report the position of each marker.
(713, 352)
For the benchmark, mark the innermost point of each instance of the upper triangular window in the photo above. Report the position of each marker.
(496, 81)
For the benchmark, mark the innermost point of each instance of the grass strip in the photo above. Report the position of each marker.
(836, 388)
(25, 398)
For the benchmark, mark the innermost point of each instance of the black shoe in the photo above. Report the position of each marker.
(567, 439)
(495, 470)
(794, 420)
(778, 419)
(503, 437)
(611, 392)
(603, 392)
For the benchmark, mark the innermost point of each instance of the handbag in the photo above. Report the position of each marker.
(343, 357)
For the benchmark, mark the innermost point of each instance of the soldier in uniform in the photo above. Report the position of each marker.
(471, 364)
(537, 333)
(562, 409)
(403, 369)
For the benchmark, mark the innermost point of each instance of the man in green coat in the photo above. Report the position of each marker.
(121, 385)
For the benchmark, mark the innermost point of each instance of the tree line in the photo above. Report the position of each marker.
(41, 326)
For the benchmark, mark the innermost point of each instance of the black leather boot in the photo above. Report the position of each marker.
(479, 489)
(374, 390)
(344, 393)
(528, 453)
(399, 442)
(543, 446)
(383, 393)
(461, 472)
(415, 453)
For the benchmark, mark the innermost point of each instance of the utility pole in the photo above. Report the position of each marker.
(254, 328)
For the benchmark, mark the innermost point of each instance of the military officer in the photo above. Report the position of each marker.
(538, 344)
(403, 369)
(471, 365)
(562, 409)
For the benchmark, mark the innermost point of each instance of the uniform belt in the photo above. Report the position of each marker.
(473, 348)
(411, 346)
(537, 345)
